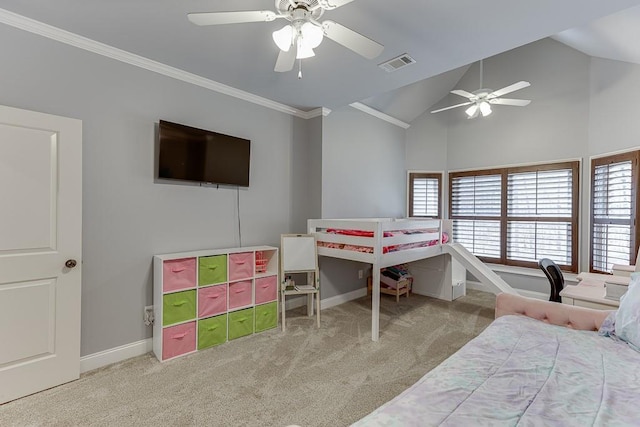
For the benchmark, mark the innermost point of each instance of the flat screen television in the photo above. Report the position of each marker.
(190, 154)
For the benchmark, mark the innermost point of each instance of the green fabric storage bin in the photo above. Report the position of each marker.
(241, 323)
(212, 331)
(266, 316)
(212, 270)
(178, 307)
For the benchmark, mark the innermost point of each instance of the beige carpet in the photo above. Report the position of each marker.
(330, 376)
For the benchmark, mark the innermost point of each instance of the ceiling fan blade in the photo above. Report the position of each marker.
(452, 106)
(219, 18)
(333, 4)
(286, 60)
(507, 101)
(464, 93)
(350, 39)
(509, 89)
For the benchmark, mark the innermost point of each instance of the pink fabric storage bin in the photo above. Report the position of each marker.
(179, 339)
(212, 300)
(240, 294)
(178, 274)
(240, 266)
(266, 289)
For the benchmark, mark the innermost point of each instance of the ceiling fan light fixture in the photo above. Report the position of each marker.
(480, 101)
(471, 111)
(283, 38)
(311, 35)
(485, 108)
(304, 51)
(304, 30)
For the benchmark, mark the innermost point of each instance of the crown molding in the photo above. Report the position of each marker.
(75, 40)
(322, 111)
(379, 114)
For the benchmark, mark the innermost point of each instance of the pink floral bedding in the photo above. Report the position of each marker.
(385, 249)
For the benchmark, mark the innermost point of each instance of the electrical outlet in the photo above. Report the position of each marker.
(148, 315)
(360, 274)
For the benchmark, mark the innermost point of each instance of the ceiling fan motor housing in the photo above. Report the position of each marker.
(303, 31)
(289, 8)
(482, 93)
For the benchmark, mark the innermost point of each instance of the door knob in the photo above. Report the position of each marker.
(70, 263)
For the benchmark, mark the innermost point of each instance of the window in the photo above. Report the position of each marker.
(517, 215)
(476, 203)
(424, 194)
(613, 211)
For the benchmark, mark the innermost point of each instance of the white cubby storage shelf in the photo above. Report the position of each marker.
(205, 298)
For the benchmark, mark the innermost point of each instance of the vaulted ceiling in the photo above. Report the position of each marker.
(443, 37)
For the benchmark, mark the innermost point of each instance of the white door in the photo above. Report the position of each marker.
(40, 231)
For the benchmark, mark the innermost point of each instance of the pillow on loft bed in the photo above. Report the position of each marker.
(624, 323)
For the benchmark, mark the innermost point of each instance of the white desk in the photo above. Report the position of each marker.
(588, 293)
(598, 277)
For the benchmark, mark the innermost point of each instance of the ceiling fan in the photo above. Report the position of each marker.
(302, 33)
(480, 101)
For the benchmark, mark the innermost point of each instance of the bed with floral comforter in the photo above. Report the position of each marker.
(521, 371)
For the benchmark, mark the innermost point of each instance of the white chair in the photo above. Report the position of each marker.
(299, 254)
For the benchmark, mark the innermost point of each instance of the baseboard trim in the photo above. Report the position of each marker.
(127, 351)
(530, 294)
(327, 302)
(115, 355)
(342, 298)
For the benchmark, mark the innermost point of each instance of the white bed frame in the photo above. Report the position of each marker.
(378, 259)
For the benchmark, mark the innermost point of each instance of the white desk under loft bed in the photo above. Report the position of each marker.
(381, 242)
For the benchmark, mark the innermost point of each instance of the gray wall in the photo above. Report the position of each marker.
(613, 109)
(306, 185)
(363, 175)
(613, 118)
(554, 126)
(363, 169)
(127, 217)
(347, 164)
(426, 142)
(580, 107)
(426, 150)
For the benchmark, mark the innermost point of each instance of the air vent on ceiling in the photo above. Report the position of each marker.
(397, 63)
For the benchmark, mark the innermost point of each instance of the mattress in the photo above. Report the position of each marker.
(524, 372)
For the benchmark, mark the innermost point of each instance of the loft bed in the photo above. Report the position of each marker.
(381, 242)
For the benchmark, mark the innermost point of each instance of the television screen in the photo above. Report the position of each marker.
(192, 154)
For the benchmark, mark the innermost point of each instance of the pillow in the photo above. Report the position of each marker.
(608, 326)
(627, 326)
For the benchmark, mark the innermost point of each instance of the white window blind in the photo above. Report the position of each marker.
(537, 202)
(475, 210)
(424, 195)
(518, 215)
(531, 241)
(540, 193)
(612, 214)
(482, 238)
(478, 195)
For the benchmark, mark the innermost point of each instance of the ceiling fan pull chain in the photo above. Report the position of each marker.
(299, 68)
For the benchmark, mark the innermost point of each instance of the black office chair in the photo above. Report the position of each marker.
(556, 279)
